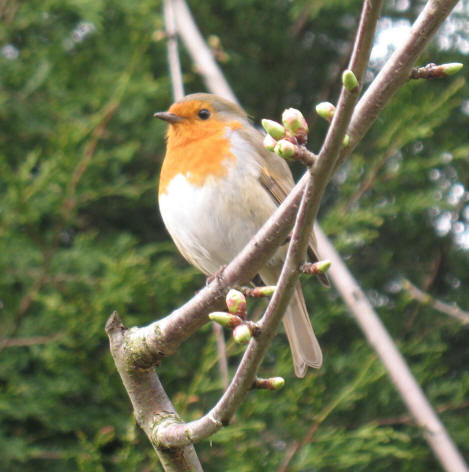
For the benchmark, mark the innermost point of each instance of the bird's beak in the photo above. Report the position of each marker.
(171, 118)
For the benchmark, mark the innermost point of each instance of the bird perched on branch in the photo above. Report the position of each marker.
(218, 185)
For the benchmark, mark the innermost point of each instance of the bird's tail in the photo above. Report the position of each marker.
(304, 346)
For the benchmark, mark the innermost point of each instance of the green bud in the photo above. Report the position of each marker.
(227, 320)
(349, 80)
(276, 130)
(346, 141)
(316, 268)
(323, 266)
(242, 334)
(236, 302)
(269, 142)
(451, 68)
(294, 121)
(265, 291)
(325, 110)
(285, 149)
(274, 383)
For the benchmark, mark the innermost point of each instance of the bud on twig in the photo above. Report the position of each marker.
(325, 110)
(257, 292)
(294, 121)
(349, 80)
(269, 142)
(285, 149)
(274, 383)
(236, 303)
(242, 334)
(276, 130)
(227, 320)
(451, 68)
(315, 268)
(346, 141)
(434, 71)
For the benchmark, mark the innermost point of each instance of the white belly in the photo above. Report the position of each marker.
(211, 224)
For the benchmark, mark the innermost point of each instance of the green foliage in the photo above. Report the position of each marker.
(80, 237)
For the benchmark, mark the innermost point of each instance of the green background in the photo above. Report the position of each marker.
(80, 236)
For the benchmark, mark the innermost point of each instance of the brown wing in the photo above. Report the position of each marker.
(277, 180)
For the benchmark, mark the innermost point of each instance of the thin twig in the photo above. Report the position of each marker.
(426, 299)
(408, 419)
(172, 47)
(221, 351)
(32, 341)
(396, 71)
(200, 52)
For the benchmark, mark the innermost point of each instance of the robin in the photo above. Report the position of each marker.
(218, 185)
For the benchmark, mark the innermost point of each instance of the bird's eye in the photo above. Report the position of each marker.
(204, 114)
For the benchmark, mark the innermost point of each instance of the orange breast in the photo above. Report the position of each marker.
(197, 150)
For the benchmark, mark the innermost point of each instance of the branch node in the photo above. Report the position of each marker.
(212, 418)
(161, 427)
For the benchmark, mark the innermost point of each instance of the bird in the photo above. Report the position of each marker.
(218, 185)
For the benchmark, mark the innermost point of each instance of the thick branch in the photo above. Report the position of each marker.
(149, 400)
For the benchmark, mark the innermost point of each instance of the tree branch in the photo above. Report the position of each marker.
(396, 71)
(149, 400)
(427, 299)
(173, 54)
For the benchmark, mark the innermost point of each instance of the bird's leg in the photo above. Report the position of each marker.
(217, 275)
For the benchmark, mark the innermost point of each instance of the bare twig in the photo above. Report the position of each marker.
(221, 351)
(426, 299)
(173, 54)
(199, 51)
(32, 341)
